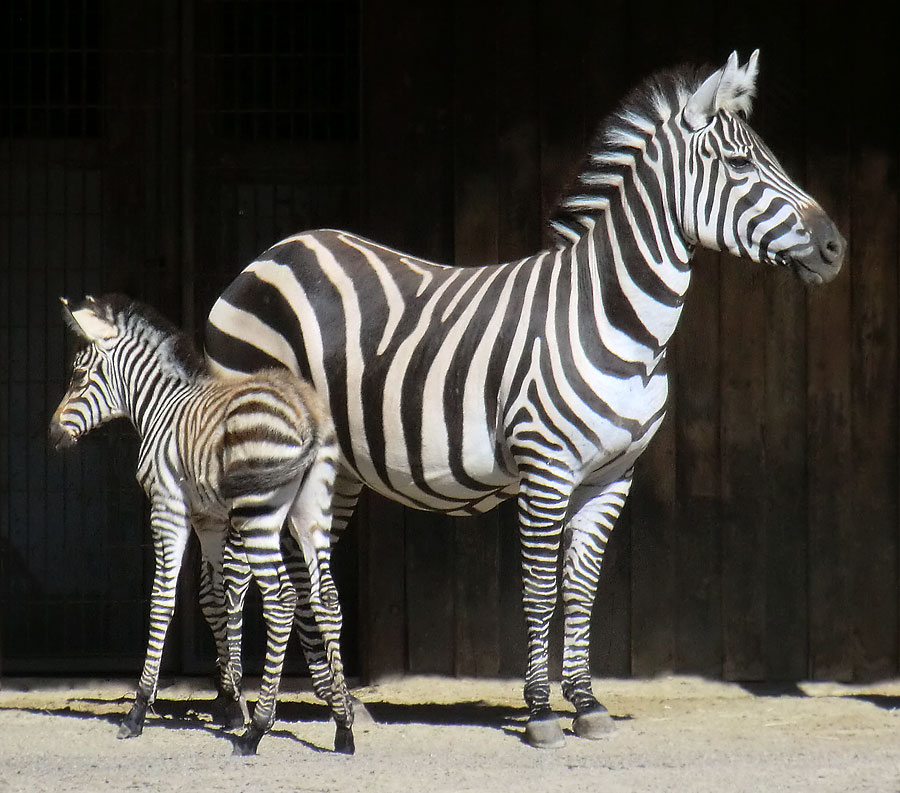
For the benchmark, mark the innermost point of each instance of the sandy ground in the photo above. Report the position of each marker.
(433, 735)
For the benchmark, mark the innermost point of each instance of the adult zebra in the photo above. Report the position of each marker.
(454, 388)
(233, 461)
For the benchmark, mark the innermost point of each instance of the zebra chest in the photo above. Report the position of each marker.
(180, 471)
(616, 428)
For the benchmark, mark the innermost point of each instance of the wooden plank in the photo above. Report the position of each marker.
(781, 118)
(618, 621)
(406, 137)
(611, 622)
(513, 645)
(519, 222)
(519, 234)
(405, 100)
(697, 558)
(654, 521)
(654, 503)
(476, 203)
(562, 49)
(743, 481)
(382, 587)
(829, 439)
(430, 542)
(874, 411)
(829, 436)
(743, 471)
(476, 596)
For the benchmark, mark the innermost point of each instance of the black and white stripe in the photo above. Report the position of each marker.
(454, 388)
(234, 461)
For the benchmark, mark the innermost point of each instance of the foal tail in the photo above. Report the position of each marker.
(273, 431)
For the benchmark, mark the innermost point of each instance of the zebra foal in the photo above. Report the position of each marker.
(543, 379)
(232, 460)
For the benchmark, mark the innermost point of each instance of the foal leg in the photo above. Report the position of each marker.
(305, 620)
(212, 534)
(170, 528)
(236, 573)
(259, 526)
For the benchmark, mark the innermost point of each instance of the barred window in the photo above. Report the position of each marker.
(50, 56)
(282, 69)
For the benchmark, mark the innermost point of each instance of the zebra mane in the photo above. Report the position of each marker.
(649, 104)
(173, 346)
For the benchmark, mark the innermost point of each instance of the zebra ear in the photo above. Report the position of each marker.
(87, 322)
(730, 88)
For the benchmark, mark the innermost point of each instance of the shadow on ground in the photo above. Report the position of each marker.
(785, 689)
(201, 714)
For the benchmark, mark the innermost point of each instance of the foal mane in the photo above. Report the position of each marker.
(175, 347)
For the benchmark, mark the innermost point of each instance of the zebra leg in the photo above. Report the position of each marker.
(236, 573)
(310, 635)
(310, 521)
(585, 539)
(170, 529)
(541, 512)
(305, 621)
(212, 535)
(346, 496)
(260, 529)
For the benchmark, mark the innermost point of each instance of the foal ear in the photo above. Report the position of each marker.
(730, 88)
(87, 321)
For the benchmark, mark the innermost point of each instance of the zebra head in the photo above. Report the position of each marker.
(737, 197)
(92, 397)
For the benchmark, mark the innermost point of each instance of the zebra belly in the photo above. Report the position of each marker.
(436, 488)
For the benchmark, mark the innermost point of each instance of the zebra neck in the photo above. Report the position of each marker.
(153, 395)
(639, 272)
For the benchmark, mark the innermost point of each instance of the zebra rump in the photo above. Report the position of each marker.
(262, 455)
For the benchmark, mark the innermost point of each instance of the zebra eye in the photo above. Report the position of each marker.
(79, 376)
(739, 162)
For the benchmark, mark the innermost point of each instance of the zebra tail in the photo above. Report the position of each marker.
(249, 475)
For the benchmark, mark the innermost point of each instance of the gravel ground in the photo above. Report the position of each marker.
(437, 734)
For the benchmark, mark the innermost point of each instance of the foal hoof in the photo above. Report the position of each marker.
(544, 733)
(246, 743)
(130, 728)
(343, 740)
(593, 724)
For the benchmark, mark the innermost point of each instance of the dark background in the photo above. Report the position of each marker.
(156, 148)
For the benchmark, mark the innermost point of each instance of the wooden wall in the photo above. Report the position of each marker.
(761, 538)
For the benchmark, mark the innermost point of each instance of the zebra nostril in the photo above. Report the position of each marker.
(832, 250)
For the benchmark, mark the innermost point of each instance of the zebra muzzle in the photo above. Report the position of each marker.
(59, 437)
(822, 260)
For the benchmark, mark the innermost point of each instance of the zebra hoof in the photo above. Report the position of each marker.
(245, 745)
(343, 740)
(593, 724)
(361, 716)
(544, 733)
